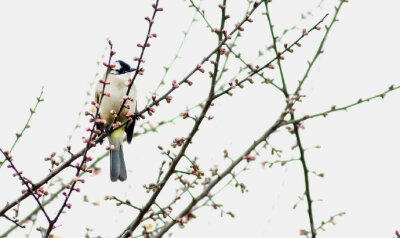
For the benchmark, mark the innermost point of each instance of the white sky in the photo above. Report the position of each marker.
(57, 44)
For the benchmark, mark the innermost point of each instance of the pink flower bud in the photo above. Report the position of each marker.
(175, 84)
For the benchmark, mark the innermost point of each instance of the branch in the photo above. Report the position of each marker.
(216, 180)
(25, 182)
(289, 48)
(14, 221)
(343, 108)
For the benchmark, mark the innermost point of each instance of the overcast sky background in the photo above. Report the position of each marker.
(57, 44)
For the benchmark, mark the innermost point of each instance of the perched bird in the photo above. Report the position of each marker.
(115, 92)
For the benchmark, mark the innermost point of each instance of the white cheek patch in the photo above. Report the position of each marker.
(117, 66)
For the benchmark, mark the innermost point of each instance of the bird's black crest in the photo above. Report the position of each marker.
(125, 68)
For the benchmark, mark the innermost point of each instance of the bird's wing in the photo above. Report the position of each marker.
(129, 128)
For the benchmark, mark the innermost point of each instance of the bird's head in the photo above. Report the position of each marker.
(121, 67)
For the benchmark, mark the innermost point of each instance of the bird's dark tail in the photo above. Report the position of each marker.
(117, 164)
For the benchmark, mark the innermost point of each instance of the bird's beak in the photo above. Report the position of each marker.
(131, 70)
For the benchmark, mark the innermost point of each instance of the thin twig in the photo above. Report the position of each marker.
(26, 126)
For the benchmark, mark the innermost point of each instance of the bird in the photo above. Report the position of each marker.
(117, 81)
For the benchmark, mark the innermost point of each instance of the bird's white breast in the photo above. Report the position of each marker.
(117, 89)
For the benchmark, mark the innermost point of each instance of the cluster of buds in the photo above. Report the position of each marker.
(249, 158)
(69, 186)
(141, 71)
(185, 114)
(110, 147)
(88, 141)
(17, 173)
(175, 84)
(41, 192)
(52, 159)
(303, 232)
(95, 104)
(270, 66)
(159, 9)
(142, 46)
(226, 154)
(78, 165)
(200, 68)
(288, 49)
(111, 66)
(226, 35)
(109, 197)
(206, 181)
(214, 171)
(154, 99)
(242, 186)
(150, 110)
(196, 170)
(235, 83)
(161, 150)
(279, 55)
(168, 98)
(222, 51)
(216, 205)
(177, 142)
(151, 187)
(128, 82)
(290, 130)
(127, 106)
(152, 35)
(249, 19)
(239, 27)
(107, 94)
(139, 59)
(186, 184)
(77, 179)
(190, 83)
(185, 219)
